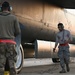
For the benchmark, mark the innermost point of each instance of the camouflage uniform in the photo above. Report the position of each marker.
(9, 29)
(63, 52)
(64, 55)
(7, 51)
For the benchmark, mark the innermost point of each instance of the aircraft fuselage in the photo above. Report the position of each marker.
(39, 20)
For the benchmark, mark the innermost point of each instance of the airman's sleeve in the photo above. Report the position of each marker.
(57, 40)
(17, 27)
(70, 36)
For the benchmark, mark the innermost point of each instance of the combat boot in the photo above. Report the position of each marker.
(67, 67)
(62, 71)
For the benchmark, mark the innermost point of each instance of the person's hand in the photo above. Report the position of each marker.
(54, 49)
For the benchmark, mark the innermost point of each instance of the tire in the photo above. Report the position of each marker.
(55, 60)
(20, 59)
(20, 54)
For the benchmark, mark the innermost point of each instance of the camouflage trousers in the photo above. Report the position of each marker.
(64, 55)
(7, 52)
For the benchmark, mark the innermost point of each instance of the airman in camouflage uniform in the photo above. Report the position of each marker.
(9, 29)
(63, 37)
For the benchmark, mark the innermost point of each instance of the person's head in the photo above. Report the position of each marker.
(5, 6)
(60, 26)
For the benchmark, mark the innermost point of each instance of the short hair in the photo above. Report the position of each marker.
(60, 24)
(5, 4)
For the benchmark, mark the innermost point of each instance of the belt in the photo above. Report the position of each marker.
(65, 44)
(8, 41)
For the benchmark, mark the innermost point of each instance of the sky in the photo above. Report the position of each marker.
(72, 11)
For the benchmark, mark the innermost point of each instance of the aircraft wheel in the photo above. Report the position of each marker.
(20, 58)
(55, 60)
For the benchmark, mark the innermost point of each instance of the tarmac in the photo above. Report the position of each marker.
(34, 66)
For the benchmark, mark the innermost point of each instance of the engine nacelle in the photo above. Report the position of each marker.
(44, 49)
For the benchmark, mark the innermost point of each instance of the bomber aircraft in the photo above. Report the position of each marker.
(38, 22)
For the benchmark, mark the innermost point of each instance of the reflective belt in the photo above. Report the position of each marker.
(8, 41)
(63, 44)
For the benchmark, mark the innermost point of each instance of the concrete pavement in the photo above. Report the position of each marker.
(45, 69)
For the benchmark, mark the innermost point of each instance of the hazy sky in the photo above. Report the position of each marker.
(72, 11)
